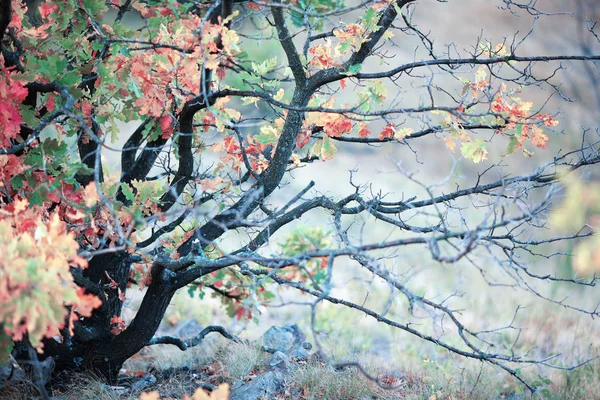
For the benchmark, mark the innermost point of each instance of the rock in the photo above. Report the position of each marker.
(279, 362)
(184, 330)
(188, 329)
(289, 340)
(287, 344)
(264, 386)
(11, 373)
(282, 338)
(47, 367)
(301, 351)
(147, 381)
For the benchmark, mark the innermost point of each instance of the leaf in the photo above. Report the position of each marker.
(303, 138)
(279, 95)
(220, 393)
(86, 302)
(513, 143)
(369, 18)
(363, 131)
(120, 325)
(402, 133)
(127, 191)
(378, 91)
(6, 346)
(95, 8)
(266, 66)
(387, 132)
(150, 395)
(328, 150)
(268, 135)
(354, 69)
(519, 130)
(538, 138)
(91, 195)
(450, 145)
(166, 126)
(475, 150)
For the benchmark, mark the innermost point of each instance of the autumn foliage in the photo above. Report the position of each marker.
(137, 137)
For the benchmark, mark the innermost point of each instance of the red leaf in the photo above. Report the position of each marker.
(46, 9)
(166, 125)
(303, 138)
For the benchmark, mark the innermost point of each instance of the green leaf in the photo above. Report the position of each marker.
(369, 18)
(475, 150)
(354, 69)
(6, 346)
(17, 182)
(148, 190)
(268, 135)
(316, 149)
(133, 87)
(512, 145)
(127, 191)
(94, 7)
(518, 130)
(345, 47)
(35, 198)
(378, 91)
(328, 150)
(266, 66)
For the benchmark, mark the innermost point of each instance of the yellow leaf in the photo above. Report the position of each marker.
(91, 195)
(481, 74)
(402, 133)
(388, 35)
(450, 145)
(150, 396)
(220, 393)
(279, 95)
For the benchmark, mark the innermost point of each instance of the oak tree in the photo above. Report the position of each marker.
(148, 144)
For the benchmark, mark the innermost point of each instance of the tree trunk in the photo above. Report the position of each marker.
(93, 348)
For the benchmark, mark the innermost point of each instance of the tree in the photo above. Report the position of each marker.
(220, 127)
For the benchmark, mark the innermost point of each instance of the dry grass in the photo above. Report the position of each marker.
(88, 387)
(318, 382)
(22, 391)
(239, 360)
(413, 379)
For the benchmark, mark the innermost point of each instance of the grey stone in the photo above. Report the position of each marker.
(47, 367)
(282, 338)
(11, 373)
(301, 351)
(143, 383)
(183, 330)
(264, 386)
(279, 361)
